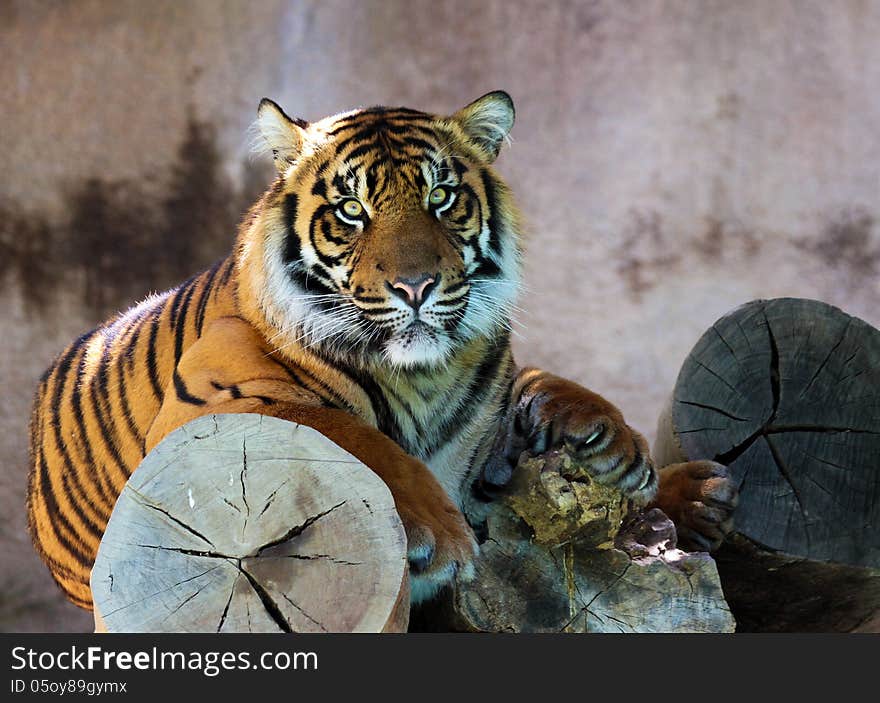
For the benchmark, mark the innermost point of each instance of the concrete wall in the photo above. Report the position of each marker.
(674, 159)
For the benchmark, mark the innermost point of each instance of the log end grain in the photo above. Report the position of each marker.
(245, 523)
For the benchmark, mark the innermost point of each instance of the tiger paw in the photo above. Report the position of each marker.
(609, 450)
(441, 545)
(552, 414)
(699, 497)
(570, 418)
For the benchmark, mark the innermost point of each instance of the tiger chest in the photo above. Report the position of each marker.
(453, 444)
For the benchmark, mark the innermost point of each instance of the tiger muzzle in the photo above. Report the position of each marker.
(414, 291)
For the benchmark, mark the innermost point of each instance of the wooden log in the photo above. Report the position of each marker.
(245, 523)
(559, 555)
(775, 592)
(786, 393)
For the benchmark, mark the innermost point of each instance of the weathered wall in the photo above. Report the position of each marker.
(673, 159)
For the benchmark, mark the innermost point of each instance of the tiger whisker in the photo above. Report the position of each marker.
(328, 326)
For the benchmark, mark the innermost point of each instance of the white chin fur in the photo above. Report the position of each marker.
(416, 348)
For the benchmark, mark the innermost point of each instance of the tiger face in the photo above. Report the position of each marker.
(387, 238)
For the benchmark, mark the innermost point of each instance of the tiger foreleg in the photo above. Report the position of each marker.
(548, 413)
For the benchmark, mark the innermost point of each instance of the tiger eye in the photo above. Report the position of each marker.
(438, 196)
(352, 208)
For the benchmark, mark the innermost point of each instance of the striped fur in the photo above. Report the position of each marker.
(304, 320)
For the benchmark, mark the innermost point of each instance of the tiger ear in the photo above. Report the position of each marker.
(487, 122)
(284, 136)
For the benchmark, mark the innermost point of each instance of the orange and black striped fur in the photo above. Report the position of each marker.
(368, 295)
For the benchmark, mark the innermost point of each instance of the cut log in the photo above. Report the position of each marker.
(786, 393)
(559, 556)
(774, 592)
(245, 523)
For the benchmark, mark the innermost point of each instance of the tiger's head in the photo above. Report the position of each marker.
(387, 237)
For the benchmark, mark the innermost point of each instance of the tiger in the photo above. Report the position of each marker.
(369, 294)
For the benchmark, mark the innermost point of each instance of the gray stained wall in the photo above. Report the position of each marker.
(673, 159)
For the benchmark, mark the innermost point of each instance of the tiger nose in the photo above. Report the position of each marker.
(414, 290)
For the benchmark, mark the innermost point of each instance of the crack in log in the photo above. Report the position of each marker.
(826, 359)
(738, 450)
(492, 614)
(586, 607)
(850, 358)
(272, 495)
(743, 332)
(783, 469)
(181, 604)
(303, 612)
(270, 605)
(779, 429)
(244, 468)
(622, 622)
(726, 344)
(843, 508)
(241, 477)
(571, 622)
(226, 607)
(774, 370)
(687, 575)
(158, 593)
(218, 555)
(229, 503)
(726, 383)
(568, 565)
(595, 615)
(713, 409)
(295, 531)
(147, 503)
(322, 557)
(210, 434)
(187, 552)
(822, 461)
(735, 452)
(853, 375)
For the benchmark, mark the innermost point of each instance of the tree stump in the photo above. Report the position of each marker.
(786, 393)
(560, 554)
(245, 523)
